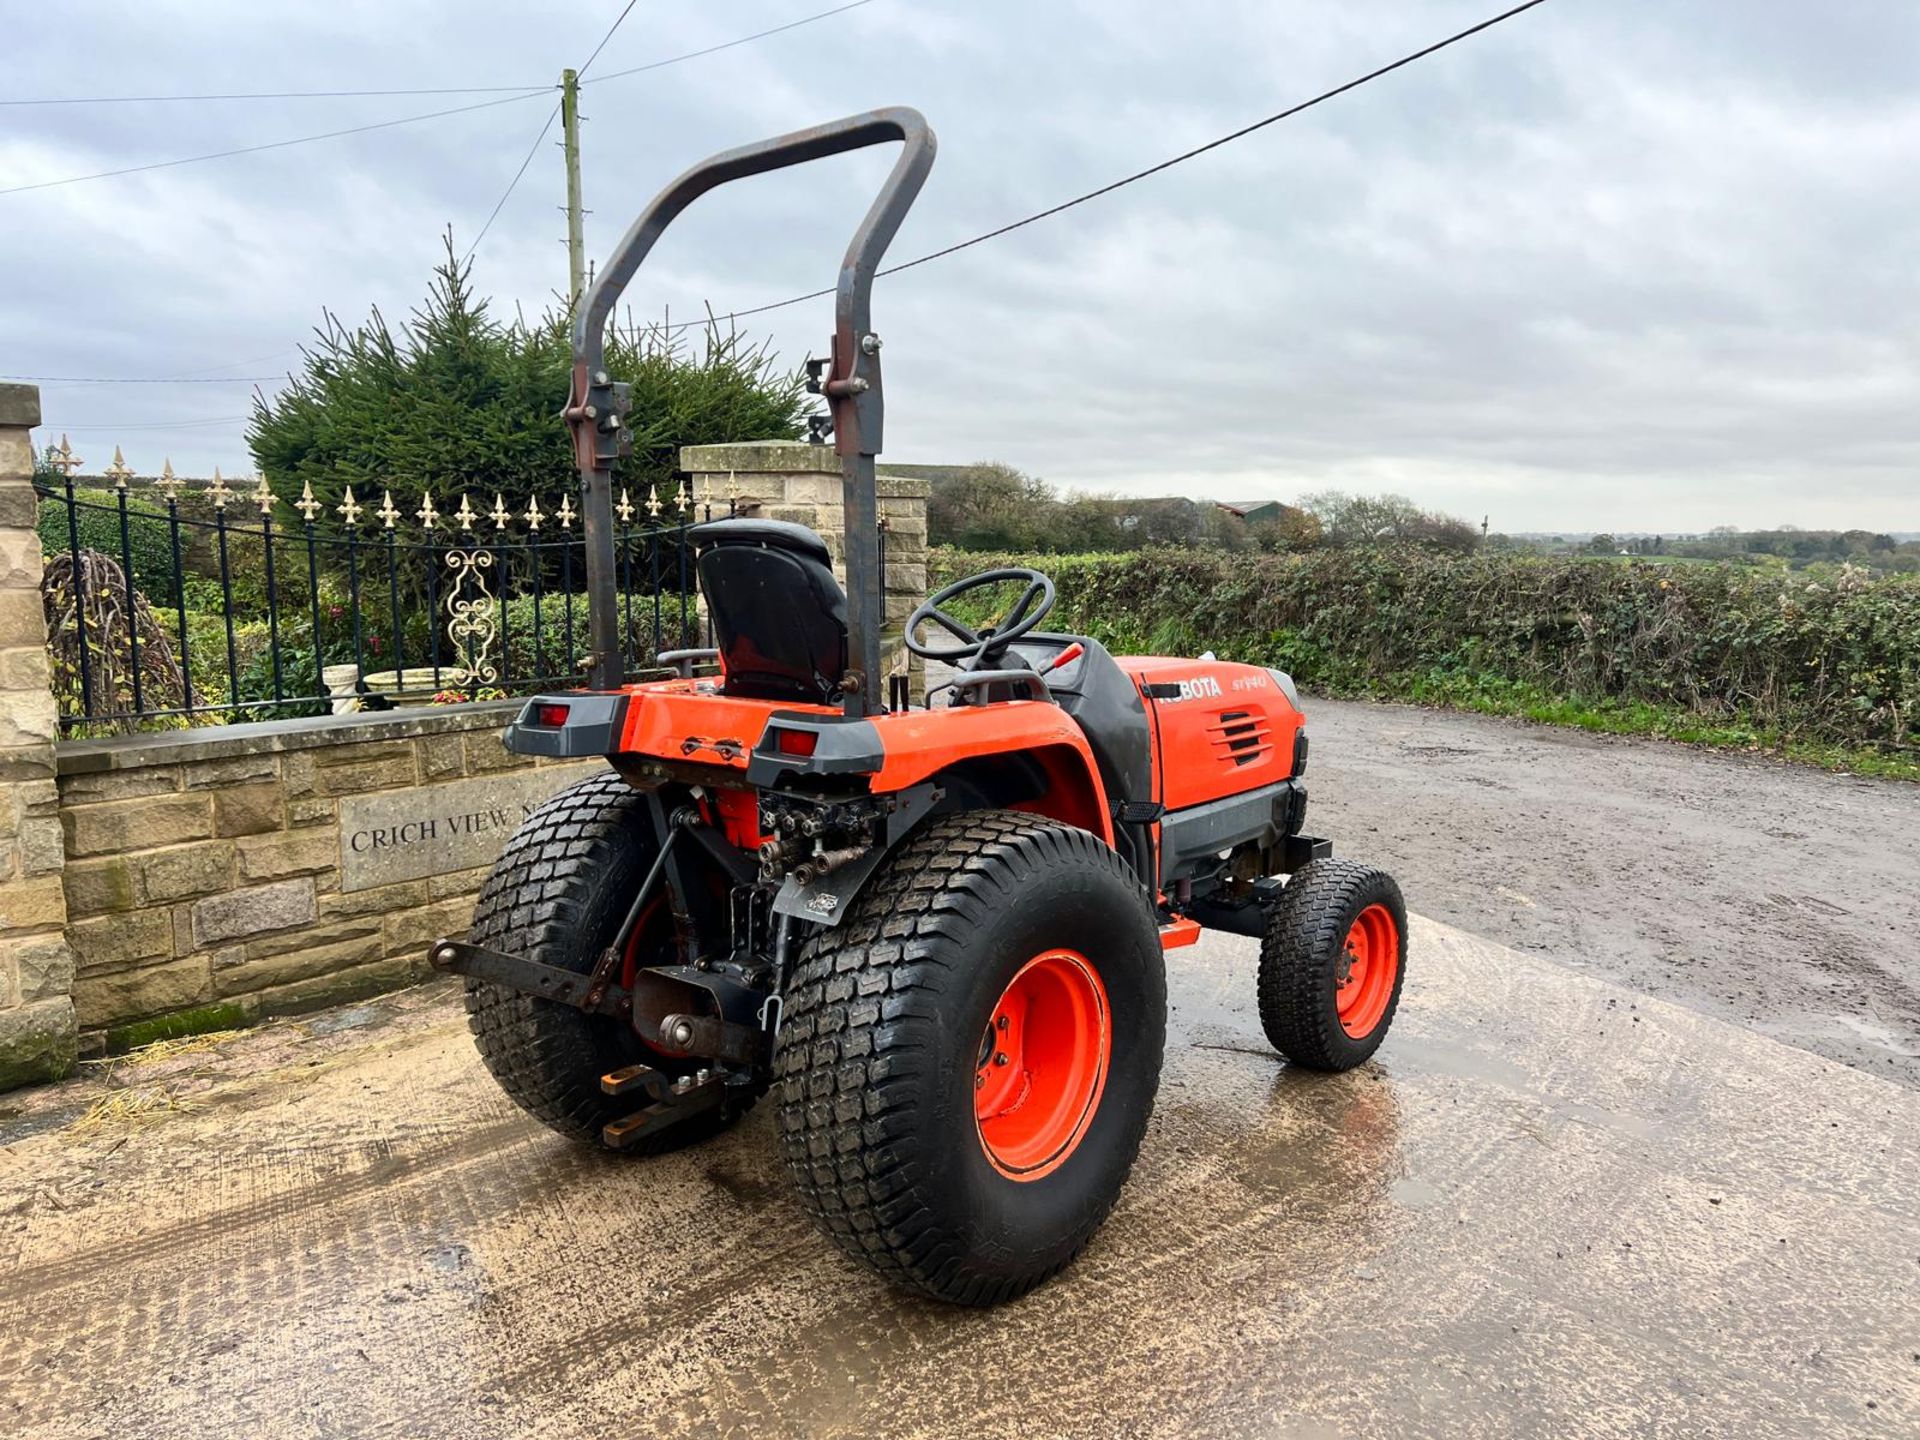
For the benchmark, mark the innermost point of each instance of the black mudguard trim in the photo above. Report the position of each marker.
(1200, 832)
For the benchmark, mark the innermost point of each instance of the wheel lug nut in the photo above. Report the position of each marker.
(1001, 1022)
(979, 1082)
(1001, 1058)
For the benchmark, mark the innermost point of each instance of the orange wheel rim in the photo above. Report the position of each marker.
(1042, 1065)
(1369, 965)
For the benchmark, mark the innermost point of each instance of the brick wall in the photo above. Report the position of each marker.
(217, 875)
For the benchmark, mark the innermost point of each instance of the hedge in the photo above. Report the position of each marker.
(1832, 660)
(97, 517)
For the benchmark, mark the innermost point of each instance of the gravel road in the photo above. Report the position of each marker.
(1783, 898)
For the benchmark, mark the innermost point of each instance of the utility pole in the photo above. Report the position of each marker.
(576, 238)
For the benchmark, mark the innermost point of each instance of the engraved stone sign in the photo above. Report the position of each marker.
(397, 835)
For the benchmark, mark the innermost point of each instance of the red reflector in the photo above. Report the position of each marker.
(795, 742)
(550, 715)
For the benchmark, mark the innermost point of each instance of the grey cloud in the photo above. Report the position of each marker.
(1603, 267)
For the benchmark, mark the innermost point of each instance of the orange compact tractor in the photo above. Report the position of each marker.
(935, 931)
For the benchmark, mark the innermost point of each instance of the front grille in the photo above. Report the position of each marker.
(1240, 736)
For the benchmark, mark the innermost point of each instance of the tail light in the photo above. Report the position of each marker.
(795, 742)
(550, 717)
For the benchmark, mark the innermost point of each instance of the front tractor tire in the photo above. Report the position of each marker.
(1332, 964)
(968, 1061)
(557, 895)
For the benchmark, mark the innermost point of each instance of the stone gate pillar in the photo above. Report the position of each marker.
(36, 967)
(791, 480)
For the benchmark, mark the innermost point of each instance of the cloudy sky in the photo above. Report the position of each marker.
(1609, 266)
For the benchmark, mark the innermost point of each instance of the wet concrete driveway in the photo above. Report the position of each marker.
(1551, 1207)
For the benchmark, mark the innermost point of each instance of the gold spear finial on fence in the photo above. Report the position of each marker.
(169, 484)
(64, 460)
(533, 513)
(427, 515)
(625, 507)
(683, 498)
(566, 512)
(499, 512)
(117, 471)
(465, 514)
(386, 512)
(218, 491)
(653, 501)
(306, 504)
(263, 496)
(349, 508)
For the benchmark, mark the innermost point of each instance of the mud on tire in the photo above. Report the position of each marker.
(557, 895)
(888, 1039)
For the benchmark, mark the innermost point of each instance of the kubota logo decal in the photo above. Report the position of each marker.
(1200, 687)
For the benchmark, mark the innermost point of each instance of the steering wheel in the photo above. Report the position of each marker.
(990, 639)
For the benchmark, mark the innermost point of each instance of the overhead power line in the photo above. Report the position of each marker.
(618, 21)
(531, 92)
(640, 70)
(147, 424)
(140, 379)
(729, 44)
(273, 144)
(241, 95)
(274, 95)
(494, 214)
(534, 149)
(1137, 175)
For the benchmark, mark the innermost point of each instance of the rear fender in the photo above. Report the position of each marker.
(1018, 755)
(1054, 780)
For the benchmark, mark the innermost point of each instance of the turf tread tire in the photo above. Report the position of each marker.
(865, 1032)
(1304, 935)
(555, 895)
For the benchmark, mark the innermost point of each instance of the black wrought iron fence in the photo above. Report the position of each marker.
(172, 601)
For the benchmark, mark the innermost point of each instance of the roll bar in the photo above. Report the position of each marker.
(596, 410)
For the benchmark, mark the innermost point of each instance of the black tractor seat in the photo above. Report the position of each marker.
(779, 615)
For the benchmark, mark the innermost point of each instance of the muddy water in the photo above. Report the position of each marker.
(1550, 1206)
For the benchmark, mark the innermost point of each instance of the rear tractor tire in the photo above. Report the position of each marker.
(557, 895)
(1332, 964)
(968, 1061)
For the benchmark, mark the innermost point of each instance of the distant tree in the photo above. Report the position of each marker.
(1355, 520)
(1175, 521)
(1293, 529)
(990, 506)
(1603, 544)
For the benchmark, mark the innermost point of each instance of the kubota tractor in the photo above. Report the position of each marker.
(934, 931)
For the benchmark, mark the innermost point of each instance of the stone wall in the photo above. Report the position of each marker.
(36, 967)
(193, 879)
(213, 876)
